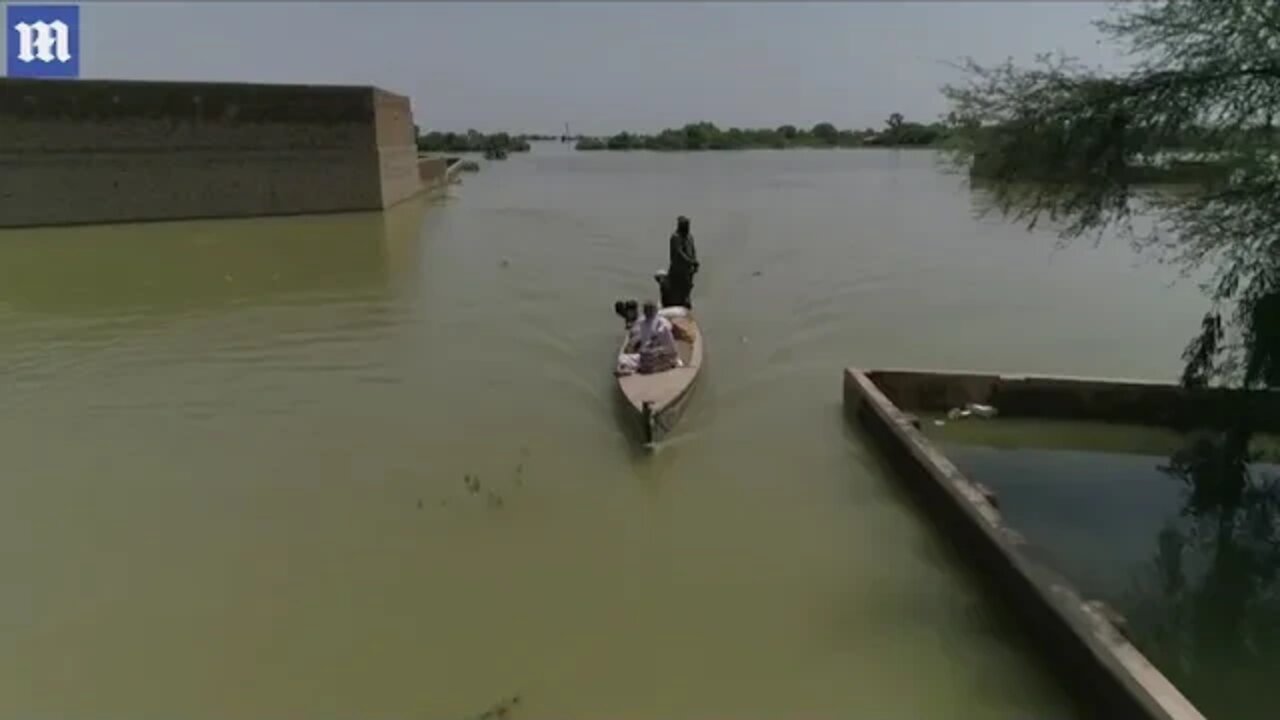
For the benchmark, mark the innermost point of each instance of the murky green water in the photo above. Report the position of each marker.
(1108, 506)
(233, 452)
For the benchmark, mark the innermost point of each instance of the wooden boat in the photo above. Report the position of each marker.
(655, 402)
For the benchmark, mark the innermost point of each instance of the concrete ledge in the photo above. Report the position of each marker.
(1070, 398)
(1108, 674)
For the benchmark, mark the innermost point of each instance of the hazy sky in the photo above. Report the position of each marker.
(602, 67)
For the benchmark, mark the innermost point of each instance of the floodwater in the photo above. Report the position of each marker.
(234, 453)
(1106, 506)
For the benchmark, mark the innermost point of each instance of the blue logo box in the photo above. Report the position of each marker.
(43, 41)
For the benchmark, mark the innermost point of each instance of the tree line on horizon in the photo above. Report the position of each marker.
(471, 141)
(948, 133)
(898, 132)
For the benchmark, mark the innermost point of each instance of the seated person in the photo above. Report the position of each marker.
(651, 342)
(657, 346)
(629, 359)
(628, 310)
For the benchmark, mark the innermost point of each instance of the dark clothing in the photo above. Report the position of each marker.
(664, 292)
(684, 265)
(678, 291)
(684, 256)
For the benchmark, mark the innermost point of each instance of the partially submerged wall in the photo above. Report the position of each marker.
(112, 151)
(397, 147)
(1107, 672)
(433, 171)
(1063, 398)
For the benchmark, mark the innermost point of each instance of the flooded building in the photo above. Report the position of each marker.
(101, 151)
(1130, 524)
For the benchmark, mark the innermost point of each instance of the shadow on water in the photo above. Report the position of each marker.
(180, 267)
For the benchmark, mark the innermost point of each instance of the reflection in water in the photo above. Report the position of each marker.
(1209, 607)
(176, 268)
(1191, 564)
(1207, 610)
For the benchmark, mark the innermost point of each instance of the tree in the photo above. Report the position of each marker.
(621, 141)
(895, 121)
(826, 133)
(1206, 82)
(473, 141)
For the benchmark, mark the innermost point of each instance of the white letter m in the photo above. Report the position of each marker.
(46, 42)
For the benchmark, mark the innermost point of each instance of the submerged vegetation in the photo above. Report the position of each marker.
(897, 132)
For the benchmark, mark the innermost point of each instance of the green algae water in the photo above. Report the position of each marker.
(1110, 507)
(234, 453)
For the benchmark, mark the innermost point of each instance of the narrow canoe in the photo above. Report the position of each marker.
(655, 402)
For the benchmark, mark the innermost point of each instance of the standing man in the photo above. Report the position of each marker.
(684, 265)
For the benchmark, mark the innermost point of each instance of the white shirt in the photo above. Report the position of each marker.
(655, 335)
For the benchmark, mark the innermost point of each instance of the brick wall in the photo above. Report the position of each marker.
(108, 151)
(394, 119)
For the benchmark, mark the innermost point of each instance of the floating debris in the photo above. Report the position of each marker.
(502, 709)
(972, 410)
(495, 500)
(982, 411)
(419, 503)
(472, 482)
(524, 457)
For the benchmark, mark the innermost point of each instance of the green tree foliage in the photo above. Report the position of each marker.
(825, 133)
(1060, 140)
(471, 141)
(707, 136)
(899, 133)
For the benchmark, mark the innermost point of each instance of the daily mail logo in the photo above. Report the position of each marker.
(43, 41)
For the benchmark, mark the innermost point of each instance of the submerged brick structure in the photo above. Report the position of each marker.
(100, 151)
